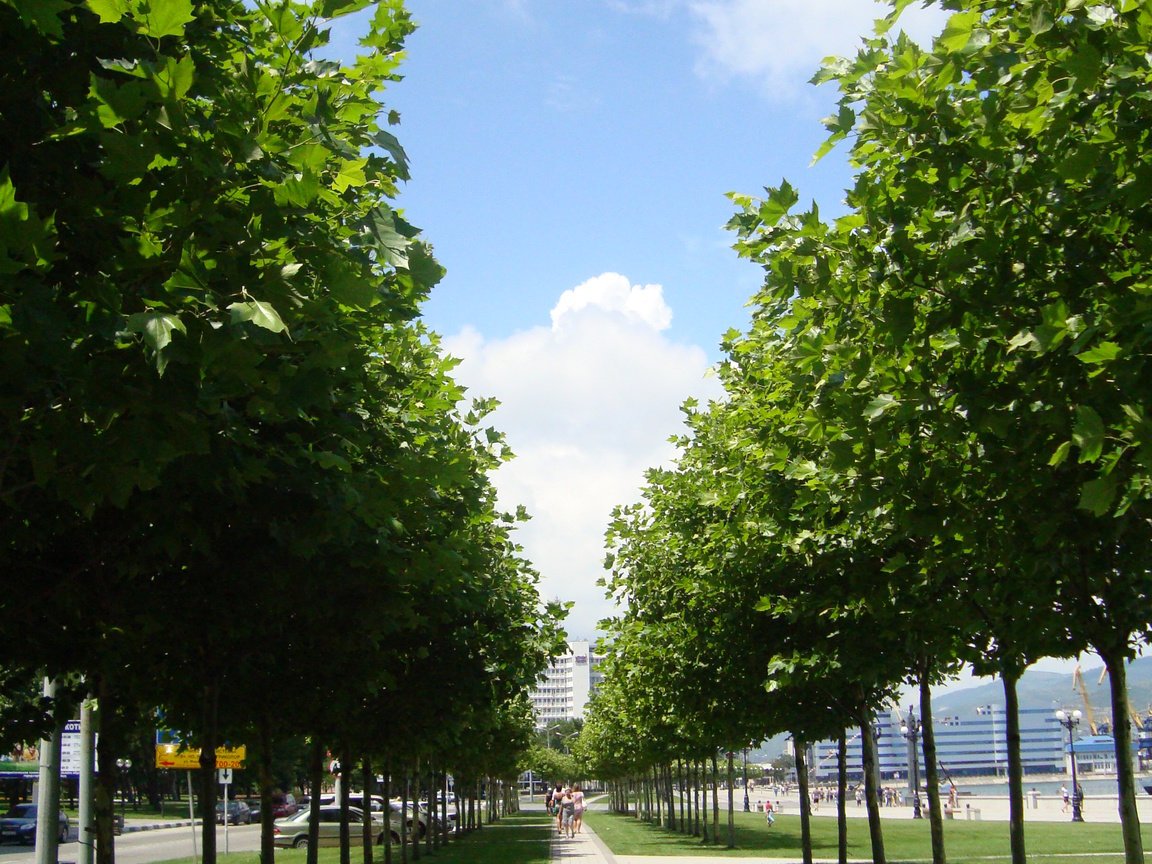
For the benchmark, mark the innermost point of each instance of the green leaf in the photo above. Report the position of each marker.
(1088, 433)
(157, 328)
(336, 8)
(781, 199)
(882, 403)
(162, 18)
(1041, 19)
(44, 15)
(1103, 352)
(109, 11)
(298, 191)
(389, 242)
(259, 313)
(1060, 455)
(958, 31)
(174, 80)
(1097, 495)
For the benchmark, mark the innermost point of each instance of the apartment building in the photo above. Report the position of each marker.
(567, 685)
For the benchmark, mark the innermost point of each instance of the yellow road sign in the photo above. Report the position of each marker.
(171, 756)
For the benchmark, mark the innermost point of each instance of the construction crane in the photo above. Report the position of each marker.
(1078, 684)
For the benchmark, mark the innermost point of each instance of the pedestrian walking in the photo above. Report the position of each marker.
(769, 813)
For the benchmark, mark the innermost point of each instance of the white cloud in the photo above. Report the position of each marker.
(782, 42)
(613, 293)
(587, 405)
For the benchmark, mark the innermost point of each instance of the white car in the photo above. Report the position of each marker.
(293, 831)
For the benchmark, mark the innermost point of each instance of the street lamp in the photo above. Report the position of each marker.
(910, 729)
(548, 735)
(747, 804)
(877, 732)
(122, 766)
(1069, 721)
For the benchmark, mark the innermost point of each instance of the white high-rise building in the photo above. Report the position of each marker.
(567, 685)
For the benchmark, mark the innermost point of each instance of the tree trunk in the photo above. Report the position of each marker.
(109, 732)
(210, 708)
(715, 799)
(315, 782)
(805, 800)
(264, 731)
(694, 774)
(345, 760)
(367, 838)
(1015, 770)
(387, 796)
(1122, 736)
(935, 814)
(871, 790)
(731, 812)
(842, 797)
(704, 803)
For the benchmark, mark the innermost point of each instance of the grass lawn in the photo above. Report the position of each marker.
(522, 838)
(904, 840)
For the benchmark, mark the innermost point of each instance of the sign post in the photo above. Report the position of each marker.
(224, 775)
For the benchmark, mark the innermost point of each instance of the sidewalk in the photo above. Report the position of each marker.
(585, 848)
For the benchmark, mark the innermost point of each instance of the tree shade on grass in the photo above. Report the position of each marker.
(521, 838)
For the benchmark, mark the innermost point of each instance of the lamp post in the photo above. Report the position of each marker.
(747, 804)
(1070, 721)
(122, 766)
(548, 735)
(877, 732)
(910, 729)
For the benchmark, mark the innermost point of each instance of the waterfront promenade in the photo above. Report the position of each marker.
(1048, 808)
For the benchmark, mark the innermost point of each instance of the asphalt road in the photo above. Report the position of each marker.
(143, 847)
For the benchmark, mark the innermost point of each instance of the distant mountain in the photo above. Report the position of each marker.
(1055, 690)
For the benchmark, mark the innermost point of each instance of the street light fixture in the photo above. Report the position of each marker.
(1069, 721)
(122, 766)
(910, 729)
(747, 804)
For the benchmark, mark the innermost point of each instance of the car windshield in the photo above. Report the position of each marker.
(22, 811)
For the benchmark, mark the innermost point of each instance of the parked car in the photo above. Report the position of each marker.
(19, 825)
(239, 813)
(293, 831)
(284, 806)
(254, 805)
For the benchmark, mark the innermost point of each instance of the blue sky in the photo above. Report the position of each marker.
(569, 161)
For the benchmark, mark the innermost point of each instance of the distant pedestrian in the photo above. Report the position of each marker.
(1079, 793)
(567, 814)
(578, 802)
(1064, 797)
(769, 813)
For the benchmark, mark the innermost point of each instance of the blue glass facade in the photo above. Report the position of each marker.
(972, 744)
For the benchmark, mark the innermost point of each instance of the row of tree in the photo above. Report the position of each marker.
(235, 485)
(932, 450)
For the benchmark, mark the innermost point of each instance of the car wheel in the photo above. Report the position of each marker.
(300, 843)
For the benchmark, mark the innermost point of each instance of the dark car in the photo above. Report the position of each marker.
(238, 813)
(284, 806)
(19, 825)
